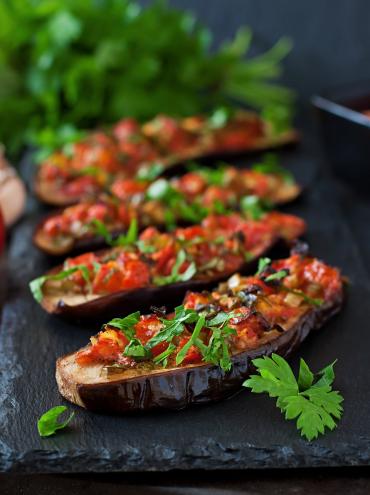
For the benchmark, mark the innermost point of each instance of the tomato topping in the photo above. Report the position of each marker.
(80, 186)
(165, 259)
(191, 184)
(148, 327)
(193, 299)
(114, 277)
(125, 129)
(126, 188)
(87, 260)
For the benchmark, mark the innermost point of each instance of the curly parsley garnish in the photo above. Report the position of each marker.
(310, 399)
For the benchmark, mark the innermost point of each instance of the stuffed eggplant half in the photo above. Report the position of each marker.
(159, 267)
(203, 351)
(186, 199)
(89, 166)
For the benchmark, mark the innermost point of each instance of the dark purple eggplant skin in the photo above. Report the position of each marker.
(201, 384)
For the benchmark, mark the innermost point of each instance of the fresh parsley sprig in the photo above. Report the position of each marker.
(37, 284)
(48, 423)
(310, 399)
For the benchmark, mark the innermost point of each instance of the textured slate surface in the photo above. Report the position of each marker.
(246, 431)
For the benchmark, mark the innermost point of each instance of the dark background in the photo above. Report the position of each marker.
(331, 37)
(331, 47)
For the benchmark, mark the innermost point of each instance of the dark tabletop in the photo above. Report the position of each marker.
(331, 40)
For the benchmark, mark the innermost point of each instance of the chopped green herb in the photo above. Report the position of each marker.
(175, 276)
(262, 264)
(162, 358)
(219, 118)
(276, 276)
(126, 324)
(144, 247)
(253, 207)
(270, 165)
(136, 350)
(307, 299)
(150, 172)
(310, 400)
(48, 423)
(123, 239)
(192, 341)
(174, 327)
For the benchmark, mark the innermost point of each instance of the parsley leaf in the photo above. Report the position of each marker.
(310, 400)
(174, 327)
(262, 264)
(163, 356)
(126, 324)
(48, 423)
(193, 339)
(136, 350)
(276, 276)
(123, 239)
(175, 276)
(37, 284)
(150, 171)
(253, 207)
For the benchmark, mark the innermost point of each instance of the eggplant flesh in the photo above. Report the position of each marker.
(51, 194)
(176, 388)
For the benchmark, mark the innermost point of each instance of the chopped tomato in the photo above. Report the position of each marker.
(107, 347)
(88, 260)
(193, 299)
(99, 211)
(288, 226)
(80, 186)
(191, 232)
(56, 225)
(77, 213)
(215, 194)
(148, 327)
(165, 259)
(191, 184)
(126, 188)
(113, 277)
(125, 128)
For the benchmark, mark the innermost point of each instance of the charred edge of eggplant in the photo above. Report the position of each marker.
(195, 385)
(288, 138)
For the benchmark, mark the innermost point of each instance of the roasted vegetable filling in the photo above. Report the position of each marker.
(210, 327)
(221, 244)
(87, 166)
(189, 198)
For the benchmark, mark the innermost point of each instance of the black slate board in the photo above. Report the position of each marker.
(246, 431)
